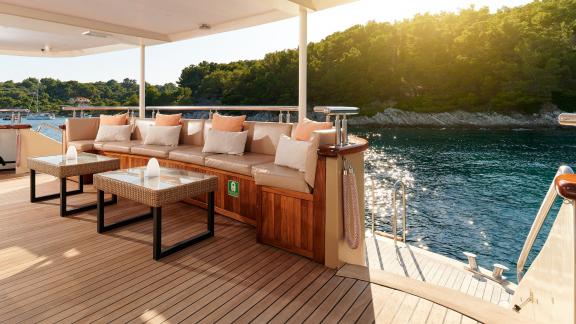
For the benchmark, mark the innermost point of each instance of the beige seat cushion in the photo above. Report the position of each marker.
(189, 154)
(82, 146)
(118, 147)
(160, 151)
(237, 163)
(273, 175)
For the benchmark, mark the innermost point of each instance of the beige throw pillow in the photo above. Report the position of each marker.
(114, 133)
(292, 153)
(162, 135)
(225, 142)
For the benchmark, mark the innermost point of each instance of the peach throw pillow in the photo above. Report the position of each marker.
(116, 120)
(228, 123)
(167, 120)
(305, 129)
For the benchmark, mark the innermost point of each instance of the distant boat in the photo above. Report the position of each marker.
(40, 116)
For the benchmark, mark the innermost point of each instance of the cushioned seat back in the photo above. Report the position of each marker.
(192, 132)
(263, 137)
(80, 129)
(140, 128)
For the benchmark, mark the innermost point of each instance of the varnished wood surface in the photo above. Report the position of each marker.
(356, 145)
(296, 223)
(16, 126)
(566, 185)
(59, 270)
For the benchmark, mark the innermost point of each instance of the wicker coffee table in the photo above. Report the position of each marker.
(171, 186)
(58, 166)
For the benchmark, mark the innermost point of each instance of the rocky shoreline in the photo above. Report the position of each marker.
(393, 117)
(399, 118)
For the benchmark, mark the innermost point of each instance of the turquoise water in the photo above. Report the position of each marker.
(468, 190)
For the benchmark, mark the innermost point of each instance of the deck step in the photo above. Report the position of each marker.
(470, 306)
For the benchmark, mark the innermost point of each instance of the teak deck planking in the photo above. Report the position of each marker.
(55, 269)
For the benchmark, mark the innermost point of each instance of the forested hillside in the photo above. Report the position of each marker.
(519, 59)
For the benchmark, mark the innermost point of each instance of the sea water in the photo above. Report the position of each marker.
(467, 190)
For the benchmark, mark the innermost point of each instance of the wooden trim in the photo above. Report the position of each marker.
(356, 145)
(289, 193)
(473, 307)
(18, 126)
(222, 212)
(566, 185)
(319, 212)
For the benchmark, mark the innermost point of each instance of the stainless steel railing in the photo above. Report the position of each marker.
(539, 221)
(43, 126)
(283, 111)
(399, 187)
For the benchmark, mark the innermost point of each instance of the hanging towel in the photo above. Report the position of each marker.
(351, 207)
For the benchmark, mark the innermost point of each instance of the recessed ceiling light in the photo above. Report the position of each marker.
(95, 34)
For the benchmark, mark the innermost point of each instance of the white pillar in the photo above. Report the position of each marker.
(302, 64)
(142, 94)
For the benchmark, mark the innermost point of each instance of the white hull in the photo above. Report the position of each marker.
(8, 149)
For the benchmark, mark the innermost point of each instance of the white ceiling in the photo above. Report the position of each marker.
(28, 26)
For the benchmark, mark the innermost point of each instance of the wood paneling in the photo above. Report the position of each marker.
(286, 222)
(319, 225)
(291, 220)
(243, 208)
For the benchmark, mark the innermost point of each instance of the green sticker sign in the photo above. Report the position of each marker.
(233, 188)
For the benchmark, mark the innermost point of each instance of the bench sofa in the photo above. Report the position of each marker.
(286, 206)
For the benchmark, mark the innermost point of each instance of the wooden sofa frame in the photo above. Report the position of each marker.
(290, 220)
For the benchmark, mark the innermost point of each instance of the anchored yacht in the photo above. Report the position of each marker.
(287, 243)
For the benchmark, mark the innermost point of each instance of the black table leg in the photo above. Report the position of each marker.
(101, 226)
(63, 195)
(159, 252)
(64, 211)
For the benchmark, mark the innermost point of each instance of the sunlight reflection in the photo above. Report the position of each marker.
(153, 314)
(15, 260)
(15, 186)
(71, 253)
(45, 264)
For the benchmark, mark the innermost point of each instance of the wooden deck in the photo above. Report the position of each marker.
(55, 269)
(419, 264)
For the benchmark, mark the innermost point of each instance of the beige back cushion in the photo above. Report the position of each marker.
(78, 129)
(140, 128)
(325, 136)
(192, 132)
(263, 137)
(207, 126)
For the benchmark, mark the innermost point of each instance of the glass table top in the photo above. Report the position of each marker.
(83, 158)
(169, 178)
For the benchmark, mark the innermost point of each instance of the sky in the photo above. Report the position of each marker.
(165, 62)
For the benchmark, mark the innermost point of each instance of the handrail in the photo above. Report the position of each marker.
(46, 125)
(399, 185)
(393, 219)
(281, 110)
(183, 108)
(539, 221)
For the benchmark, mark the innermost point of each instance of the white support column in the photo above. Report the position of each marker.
(303, 64)
(142, 94)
